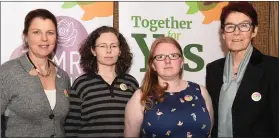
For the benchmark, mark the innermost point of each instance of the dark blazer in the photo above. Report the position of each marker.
(249, 118)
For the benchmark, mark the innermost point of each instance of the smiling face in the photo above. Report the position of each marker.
(41, 37)
(170, 66)
(238, 40)
(107, 49)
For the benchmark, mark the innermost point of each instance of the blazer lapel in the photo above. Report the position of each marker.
(249, 81)
(61, 92)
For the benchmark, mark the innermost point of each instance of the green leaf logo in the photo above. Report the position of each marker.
(68, 5)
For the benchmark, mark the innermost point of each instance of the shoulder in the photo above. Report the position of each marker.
(8, 73)
(216, 63)
(131, 79)
(204, 93)
(80, 80)
(138, 93)
(198, 87)
(11, 68)
(271, 65)
(62, 73)
(136, 96)
(270, 60)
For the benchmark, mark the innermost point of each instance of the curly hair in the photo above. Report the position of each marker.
(88, 62)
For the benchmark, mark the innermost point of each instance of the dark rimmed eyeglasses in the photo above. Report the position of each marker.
(243, 27)
(162, 57)
(106, 46)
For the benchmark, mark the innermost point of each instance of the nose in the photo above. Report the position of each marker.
(167, 59)
(108, 49)
(44, 37)
(236, 31)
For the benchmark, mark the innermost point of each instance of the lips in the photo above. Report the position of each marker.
(237, 40)
(44, 46)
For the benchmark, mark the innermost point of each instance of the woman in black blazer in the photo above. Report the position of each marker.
(243, 85)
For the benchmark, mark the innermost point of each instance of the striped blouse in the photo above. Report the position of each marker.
(97, 108)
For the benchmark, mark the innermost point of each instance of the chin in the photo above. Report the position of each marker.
(170, 74)
(44, 54)
(109, 63)
(236, 49)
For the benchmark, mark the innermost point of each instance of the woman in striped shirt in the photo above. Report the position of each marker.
(98, 97)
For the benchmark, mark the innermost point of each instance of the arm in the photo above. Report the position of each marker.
(6, 94)
(208, 103)
(133, 116)
(4, 97)
(134, 83)
(274, 90)
(207, 78)
(6, 89)
(73, 120)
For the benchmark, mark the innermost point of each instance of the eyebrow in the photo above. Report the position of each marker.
(245, 21)
(107, 43)
(32, 29)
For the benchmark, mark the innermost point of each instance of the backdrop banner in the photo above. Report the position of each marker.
(195, 25)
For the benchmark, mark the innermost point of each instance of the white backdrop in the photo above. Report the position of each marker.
(75, 22)
(196, 25)
(197, 30)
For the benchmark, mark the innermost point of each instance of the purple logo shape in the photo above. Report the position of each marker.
(71, 33)
(67, 33)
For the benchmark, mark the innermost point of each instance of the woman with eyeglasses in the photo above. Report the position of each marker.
(243, 85)
(99, 96)
(166, 105)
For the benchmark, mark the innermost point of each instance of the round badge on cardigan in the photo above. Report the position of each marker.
(123, 87)
(256, 96)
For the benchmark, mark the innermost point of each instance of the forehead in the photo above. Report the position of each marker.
(107, 37)
(165, 48)
(237, 17)
(40, 23)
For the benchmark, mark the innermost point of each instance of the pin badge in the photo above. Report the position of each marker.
(188, 98)
(256, 96)
(66, 93)
(123, 87)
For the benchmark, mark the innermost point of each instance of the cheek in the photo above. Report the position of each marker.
(53, 40)
(248, 36)
(178, 64)
(99, 54)
(227, 37)
(116, 52)
(32, 40)
(157, 66)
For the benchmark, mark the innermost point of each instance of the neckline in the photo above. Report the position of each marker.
(174, 93)
(50, 90)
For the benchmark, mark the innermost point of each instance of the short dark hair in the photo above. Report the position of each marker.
(242, 7)
(88, 62)
(38, 13)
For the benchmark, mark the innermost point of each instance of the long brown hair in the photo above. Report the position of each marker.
(150, 86)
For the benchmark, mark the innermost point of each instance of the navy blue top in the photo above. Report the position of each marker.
(181, 115)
